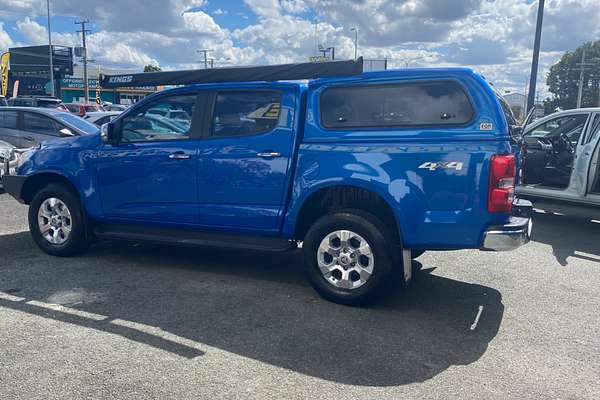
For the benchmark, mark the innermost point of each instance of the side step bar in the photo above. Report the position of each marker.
(184, 237)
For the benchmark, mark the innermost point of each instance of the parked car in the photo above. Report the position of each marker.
(37, 101)
(366, 171)
(114, 107)
(82, 109)
(25, 127)
(561, 168)
(100, 118)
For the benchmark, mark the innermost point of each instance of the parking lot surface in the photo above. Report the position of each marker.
(132, 321)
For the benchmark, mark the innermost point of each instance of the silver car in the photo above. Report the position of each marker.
(560, 167)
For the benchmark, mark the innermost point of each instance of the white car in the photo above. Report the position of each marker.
(561, 163)
(101, 117)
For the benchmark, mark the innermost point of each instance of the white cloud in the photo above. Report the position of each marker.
(492, 36)
(5, 39)
(264, 8)
(202, 23)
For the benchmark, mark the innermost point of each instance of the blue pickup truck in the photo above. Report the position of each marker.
(366, 171)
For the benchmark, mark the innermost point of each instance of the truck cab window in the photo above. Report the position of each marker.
(167, 118)
(246, 113)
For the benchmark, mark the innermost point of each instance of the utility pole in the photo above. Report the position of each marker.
(583, 67)
(83, 31)
(536, 56)
(205, 51)
(50, 52)
(580, 87)
(355, 29)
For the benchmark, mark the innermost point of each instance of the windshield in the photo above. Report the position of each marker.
(75, 121)
(49, 104)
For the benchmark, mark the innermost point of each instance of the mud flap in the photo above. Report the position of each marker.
(407, 264)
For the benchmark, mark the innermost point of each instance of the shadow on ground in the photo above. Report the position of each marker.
(256, 305)
(569, 237)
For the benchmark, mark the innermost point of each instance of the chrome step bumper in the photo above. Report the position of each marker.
(512, 235)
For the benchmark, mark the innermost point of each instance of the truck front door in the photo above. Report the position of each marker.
(151, 174)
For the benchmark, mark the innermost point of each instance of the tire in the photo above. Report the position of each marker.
(334, 284)
(54, 199)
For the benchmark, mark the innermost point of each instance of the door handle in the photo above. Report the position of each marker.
(30, 138)
(269, 154)
(179, 156)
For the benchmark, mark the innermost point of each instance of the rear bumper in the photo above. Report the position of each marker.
(512, 235)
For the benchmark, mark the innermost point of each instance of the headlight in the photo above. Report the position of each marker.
(22, 156)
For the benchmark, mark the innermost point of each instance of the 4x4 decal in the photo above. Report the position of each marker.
(432, 166)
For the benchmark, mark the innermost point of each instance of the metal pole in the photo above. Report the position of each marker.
(581, 74)
(355, 29)
(86, 88)
(536, 56)
(50, 52)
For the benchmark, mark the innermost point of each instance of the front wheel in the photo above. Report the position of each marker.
(56, 221)
(348, 259)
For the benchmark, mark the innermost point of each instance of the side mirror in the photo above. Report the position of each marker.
(516, 132)
(66, 132)
(109, 133)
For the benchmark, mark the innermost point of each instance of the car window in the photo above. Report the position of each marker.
(8, 119)
(393, 105)
(39, 124)
(246, 113)
(595, 129)
(74, 121)
(48, 104)
(570, 125)
(72, 108)
(21, 102)
(145, 125)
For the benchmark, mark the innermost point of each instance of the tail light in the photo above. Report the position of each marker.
(502, 183)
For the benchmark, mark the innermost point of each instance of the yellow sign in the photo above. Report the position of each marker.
(4, 73)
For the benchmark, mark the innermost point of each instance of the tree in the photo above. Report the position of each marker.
(563, 79)
(152, 68)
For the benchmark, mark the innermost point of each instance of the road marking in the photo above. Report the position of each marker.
(477, 318)
(10, 297)
(158, 332)
(583, 254)
(67, 310)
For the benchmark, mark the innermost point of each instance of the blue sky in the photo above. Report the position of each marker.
(492, 36)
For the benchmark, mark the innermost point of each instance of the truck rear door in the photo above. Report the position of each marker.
(244, 162)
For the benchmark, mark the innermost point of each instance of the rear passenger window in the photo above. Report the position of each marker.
(39, 124)
(246, 113)
(393, 105)
(8, 119)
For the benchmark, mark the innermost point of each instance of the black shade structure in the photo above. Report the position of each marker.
(307, 70)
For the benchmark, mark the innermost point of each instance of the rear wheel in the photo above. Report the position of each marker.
(348, 259)
(56, 221)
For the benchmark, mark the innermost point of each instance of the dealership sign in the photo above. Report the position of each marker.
(76, 83)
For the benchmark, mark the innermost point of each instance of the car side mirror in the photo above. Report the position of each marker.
(109, 132)
(66, 132)
(516, 132)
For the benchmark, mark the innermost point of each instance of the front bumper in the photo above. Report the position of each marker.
(13, 185)
(512, 235)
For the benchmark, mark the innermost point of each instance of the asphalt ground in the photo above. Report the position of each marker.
(133, 321)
